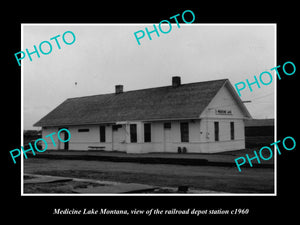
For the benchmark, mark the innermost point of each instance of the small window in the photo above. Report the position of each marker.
(232, 130)
(102, 133)
(167, 125)
(133, 134)
(184, 131)
(83, 130)
(147, 132)
(216, 125)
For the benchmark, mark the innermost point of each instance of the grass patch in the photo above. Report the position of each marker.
(221, 184)
(57, 187)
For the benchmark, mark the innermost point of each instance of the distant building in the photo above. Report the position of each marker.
(259, 132)
(259, 127)
(202, 117)
(31, 135)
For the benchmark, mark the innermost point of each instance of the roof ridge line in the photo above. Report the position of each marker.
(112, 93)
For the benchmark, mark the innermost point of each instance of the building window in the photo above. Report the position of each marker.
(167, 125)
(216, 131)
(147, 132)
(232, 130)
(184, 132)
(83, 130)
(133, 134)
(102, 133)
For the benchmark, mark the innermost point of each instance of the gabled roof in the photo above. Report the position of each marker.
(162, 103)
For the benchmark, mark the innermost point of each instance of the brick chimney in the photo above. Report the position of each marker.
(176, 81)
(119, 89)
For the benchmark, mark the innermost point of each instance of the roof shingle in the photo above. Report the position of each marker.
(185, 101)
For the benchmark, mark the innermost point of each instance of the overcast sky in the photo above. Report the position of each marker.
(104, 55)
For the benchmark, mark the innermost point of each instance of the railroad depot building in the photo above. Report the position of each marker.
(201, 117)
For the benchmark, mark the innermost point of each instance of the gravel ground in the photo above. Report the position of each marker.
(223, 179)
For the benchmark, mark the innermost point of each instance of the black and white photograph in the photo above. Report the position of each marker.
(161, 116)
(140, 112)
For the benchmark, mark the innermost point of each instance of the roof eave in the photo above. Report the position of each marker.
(238, 99)
(114, 122)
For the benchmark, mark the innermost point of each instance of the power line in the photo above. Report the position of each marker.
(262, 96)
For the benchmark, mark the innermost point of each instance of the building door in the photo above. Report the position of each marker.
(118, 137)
(64, 136)
(66, 144)
(167, 137)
